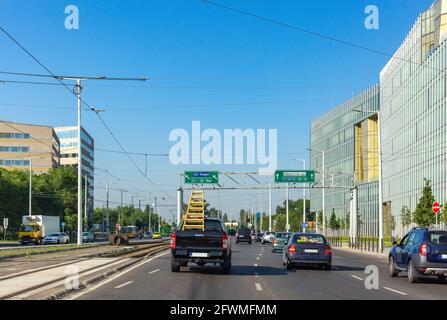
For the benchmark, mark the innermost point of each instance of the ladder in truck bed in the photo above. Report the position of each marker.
(194, 218)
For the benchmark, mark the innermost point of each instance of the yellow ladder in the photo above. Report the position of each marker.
(195, 214)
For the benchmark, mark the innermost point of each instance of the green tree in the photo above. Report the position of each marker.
(406, 216)
(333, 223)
(423, 215)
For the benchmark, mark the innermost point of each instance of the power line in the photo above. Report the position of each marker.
(313, 33)
(86, 104)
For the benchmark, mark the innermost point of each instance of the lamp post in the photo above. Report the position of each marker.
(323, 191)
(304, 195)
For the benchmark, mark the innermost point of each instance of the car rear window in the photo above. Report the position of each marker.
(309, 238)
(213, 225)
(244, 231)
(437, 237)
(282, 235)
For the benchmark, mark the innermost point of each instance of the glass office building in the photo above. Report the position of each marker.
(68, 137)
(413, 116)
(348, 135)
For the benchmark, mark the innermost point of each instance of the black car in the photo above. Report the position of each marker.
(422, 252)
(211, 245)
(259, 237)
(243, 235)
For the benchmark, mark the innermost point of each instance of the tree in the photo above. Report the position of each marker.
(443, 216)
(333, 223)
(423, 215)
(406, 216)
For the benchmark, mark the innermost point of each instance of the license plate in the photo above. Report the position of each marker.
(241, 236)
(199, 254)
(444, 257)
(310, 250)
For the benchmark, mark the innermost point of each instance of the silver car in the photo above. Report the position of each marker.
(87, 236)
(56, 238)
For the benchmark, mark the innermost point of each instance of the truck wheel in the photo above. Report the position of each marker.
(226, 266)
(117, 241)
(175, 265)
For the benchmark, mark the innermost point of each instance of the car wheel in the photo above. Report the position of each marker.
(249, 242)
(226, 266)
(66, 241)
(392, 271)
(289, 265)
(327, 267)
(58, 241)
(175, 265)
(442, 278)
(412, 275)
(262, 242)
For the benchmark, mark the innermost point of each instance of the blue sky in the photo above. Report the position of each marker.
(197, 56)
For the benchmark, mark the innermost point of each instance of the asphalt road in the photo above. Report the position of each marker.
(258, 274)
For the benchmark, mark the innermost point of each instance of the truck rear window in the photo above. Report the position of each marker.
(211, 225)
(437, 237)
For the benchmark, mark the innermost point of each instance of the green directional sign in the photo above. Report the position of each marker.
(202, 177)
(295, 176)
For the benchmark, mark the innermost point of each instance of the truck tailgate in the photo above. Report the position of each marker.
(198, 239)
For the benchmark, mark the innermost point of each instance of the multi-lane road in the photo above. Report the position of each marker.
(259, 274)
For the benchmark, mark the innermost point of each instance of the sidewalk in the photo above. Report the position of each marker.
(383, 255)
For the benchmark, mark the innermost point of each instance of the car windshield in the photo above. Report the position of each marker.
(282, 235)
(309, 238)
(85, 234)
(54, 235)
(438, 237)
(27, 228)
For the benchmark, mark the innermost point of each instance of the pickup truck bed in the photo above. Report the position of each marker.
(209, 246)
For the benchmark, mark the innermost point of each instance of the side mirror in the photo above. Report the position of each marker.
(395, 243)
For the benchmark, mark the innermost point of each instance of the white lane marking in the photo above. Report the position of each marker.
(258, 286)
(355, 277)
(88, 290)
(123, 284)
(396, 291)
(256, 275)
(256, 264)
(153, 271)
(257, 258)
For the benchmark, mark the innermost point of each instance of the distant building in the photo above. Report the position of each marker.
(68, 137)
(21, 143)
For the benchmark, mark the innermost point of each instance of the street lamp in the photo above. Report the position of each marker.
(323, 191)
(304, 195)
(380, 175)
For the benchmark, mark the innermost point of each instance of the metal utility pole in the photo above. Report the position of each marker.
(260, 212)
(155, 211)
(179, 205)
(270, 208)
(150, 208)
(85, 200)
(304, 194)
(107, 209)
(287, 208)
(139, 207)
(121, 207)
(78, 90)
(133, 212)
(30, 208)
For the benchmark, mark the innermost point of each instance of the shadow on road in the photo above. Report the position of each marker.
(237, 270)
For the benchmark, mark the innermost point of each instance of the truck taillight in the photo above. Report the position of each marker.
(291, 248)
(224, 241)
(173, 240)
(424, 249)
(328, 250)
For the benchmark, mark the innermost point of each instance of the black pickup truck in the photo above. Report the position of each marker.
(209, 246)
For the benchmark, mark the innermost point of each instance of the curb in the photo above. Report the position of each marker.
(383, 255)
(90, 281)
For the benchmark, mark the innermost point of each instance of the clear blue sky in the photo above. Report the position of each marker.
(195, 54)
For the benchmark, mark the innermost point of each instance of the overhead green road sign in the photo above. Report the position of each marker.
(295, 176)
(202, 177)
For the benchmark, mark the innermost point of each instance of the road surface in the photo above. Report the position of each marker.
(259, 274)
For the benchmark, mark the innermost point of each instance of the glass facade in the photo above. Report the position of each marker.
(335, 133)
(414, 125)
